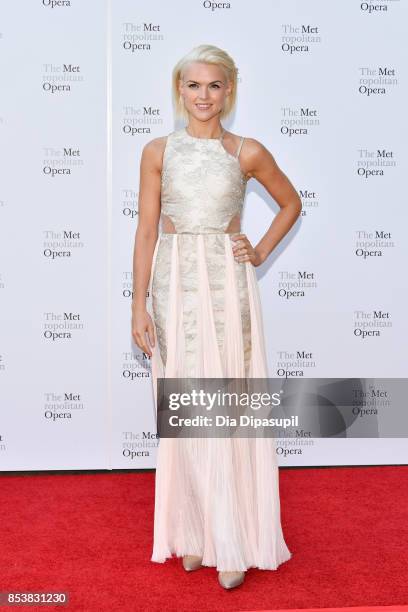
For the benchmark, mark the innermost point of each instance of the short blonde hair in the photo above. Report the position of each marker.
(207, 54)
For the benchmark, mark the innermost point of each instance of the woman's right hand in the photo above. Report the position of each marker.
(142, 323)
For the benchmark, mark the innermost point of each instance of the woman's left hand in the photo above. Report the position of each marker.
(244, 251)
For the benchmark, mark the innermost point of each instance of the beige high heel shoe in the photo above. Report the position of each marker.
(192, 562)
(229, 580)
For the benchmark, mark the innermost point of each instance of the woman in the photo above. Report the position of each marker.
(217, 501)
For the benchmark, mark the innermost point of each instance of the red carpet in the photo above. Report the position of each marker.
(90, 535)
(353, 609)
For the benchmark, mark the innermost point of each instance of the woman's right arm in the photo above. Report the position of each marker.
(145, 240)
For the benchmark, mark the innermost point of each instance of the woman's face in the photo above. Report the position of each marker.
(204, 88)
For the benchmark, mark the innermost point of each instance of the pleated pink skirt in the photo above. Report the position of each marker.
(215, 497)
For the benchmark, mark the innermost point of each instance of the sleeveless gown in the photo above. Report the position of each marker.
(215, 498)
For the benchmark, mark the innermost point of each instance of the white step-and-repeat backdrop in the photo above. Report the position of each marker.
(84, 85)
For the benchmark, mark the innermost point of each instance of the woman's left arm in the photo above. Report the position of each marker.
(257, 162)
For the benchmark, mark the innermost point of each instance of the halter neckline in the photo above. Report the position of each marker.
(219, 140)
(198, 138)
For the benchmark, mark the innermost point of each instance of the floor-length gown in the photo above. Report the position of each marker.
(216, 498)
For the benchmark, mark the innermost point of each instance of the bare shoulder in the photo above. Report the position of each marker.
(254, 155)
(254, 148)
(152, 152)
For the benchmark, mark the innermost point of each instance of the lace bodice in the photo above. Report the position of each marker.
(202, 185)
